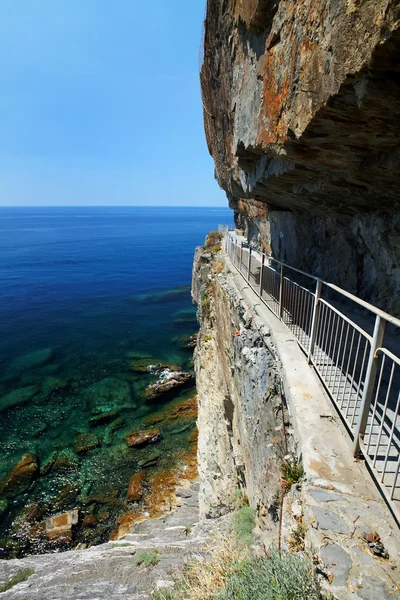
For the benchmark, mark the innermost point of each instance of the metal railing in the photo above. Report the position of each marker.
(357, 363)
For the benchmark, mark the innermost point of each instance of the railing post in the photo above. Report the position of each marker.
(281, 292)
(249, 265)
(241, 257)
(370, 377)
(261, 274)
(315, 320)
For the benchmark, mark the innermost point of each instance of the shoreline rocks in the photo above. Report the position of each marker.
(18, 397)
(142, 438)
(168, 383)
(20, 477)
(136, 487)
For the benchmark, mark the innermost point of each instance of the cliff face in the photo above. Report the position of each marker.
(241, 437)
(301, 109)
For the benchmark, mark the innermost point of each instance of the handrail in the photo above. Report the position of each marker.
(384, 315)
(357, 370)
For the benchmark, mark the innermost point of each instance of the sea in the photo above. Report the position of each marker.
(86, 294)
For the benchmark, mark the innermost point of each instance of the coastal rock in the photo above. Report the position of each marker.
(104, 418)
(18, 397)
(20, 477)
(142, 438)
(150, 460)
(85, 442)
(169, 382)
(151, 365)
(109, 394)
(33, 359)
(59, 527)
(136, 487)
(53, 384)
(59, 462)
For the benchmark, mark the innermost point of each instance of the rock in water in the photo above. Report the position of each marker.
(136, 488)
(168, 383)
(110, 393)
(53, 384)
(141, 438)
(85, 442)
(33, 359)
(20, 396)
(59, 527)
(20, 477)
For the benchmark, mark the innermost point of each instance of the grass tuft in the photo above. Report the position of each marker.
(148, 558)
(16, 579)
(243, 523)
(279, 576)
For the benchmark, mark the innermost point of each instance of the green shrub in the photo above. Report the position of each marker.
(148, 558)
(243, 523)
(277, 577)
(291, 473)
(17, 578)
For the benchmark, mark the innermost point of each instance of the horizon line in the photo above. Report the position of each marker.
(114, 206)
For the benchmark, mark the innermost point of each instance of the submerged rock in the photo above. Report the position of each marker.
(109, 394)
(17, 397)
(85, 442)
(33, 359)
(142, 438)
(53, 384)
(59, 527)
(136, 487)
(20, 477)
(150, 460)
(169, 382)
(187, 342)
(104, 417)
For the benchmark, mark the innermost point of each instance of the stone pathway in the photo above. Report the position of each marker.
(109, 571)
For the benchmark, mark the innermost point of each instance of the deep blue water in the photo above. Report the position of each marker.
(95, 287)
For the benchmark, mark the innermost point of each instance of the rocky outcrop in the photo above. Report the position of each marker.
(240, 416)
(301, 108)
(20, 477)
(142, 438)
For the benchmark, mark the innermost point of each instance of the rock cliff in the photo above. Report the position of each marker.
(301, 108)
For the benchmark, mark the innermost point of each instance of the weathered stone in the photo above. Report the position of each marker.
(59, 527)
(321, 495)
(85, 442)
(301, 117)
(152, 366)
(104, 417)
(109, 394)
(142, 438)
(337, 561)
(59, 462)
(169, 383)
(18, 397)
(328, 520)
(136, 487)
(33, 359)
(372, 588)
(183, 493)
(150, 460)
(53, 384)
(20, 477)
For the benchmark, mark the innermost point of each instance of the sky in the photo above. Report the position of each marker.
(100, 104)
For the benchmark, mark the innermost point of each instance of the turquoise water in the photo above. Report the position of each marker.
(84, 292)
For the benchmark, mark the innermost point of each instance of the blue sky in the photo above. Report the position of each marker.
(100, 104)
